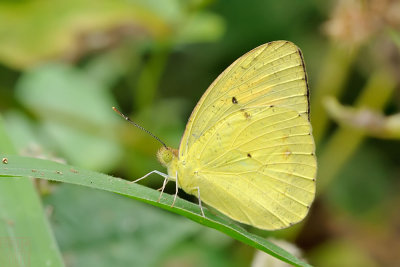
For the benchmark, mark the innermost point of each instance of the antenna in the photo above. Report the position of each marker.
(138, 126)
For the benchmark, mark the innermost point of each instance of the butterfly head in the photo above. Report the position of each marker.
(166, 155)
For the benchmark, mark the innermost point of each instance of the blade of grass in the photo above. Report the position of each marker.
(18, 166)
(26, 238)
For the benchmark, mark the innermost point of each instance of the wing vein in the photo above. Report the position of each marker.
(293, 174)
(290, 184)
(258, 203)
(275, 130)
(280, 145)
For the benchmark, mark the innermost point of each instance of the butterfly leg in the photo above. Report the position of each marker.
(198, 196)
(176, 189)
(159, 173)
(163, 187)
(155, 171)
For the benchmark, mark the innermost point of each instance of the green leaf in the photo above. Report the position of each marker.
(74, 112)
(31, 167)
(26, 238)
(25, 235)
(201, 27)
(131, 233)
(32, 32)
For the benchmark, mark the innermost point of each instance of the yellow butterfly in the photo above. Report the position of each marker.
(248, 149)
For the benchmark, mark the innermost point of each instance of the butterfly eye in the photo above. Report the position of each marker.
(165, 155)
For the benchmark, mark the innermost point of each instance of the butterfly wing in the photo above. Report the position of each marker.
(248, 144)
(271, 74)
(257, 166)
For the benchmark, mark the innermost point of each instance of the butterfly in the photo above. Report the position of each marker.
(248, 149)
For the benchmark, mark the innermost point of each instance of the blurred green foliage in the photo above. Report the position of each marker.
(122, 233)
(64, 64)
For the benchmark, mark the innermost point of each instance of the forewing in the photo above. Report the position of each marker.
(271, 74)
(257, 166)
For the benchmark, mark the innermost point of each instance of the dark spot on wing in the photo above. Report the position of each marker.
(234, 100)
(249, 155)
(245, 114)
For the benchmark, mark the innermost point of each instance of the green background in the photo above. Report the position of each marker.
(64, 64)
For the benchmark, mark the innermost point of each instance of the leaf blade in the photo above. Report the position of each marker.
(37, 168)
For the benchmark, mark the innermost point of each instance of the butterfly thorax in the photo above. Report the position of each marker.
(177, 167)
